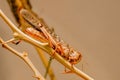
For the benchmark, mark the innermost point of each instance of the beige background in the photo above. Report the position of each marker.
(90, 26)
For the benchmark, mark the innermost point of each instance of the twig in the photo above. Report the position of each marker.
(50, 51)
(23, 56)
(45, 62)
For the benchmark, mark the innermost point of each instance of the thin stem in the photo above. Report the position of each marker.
(48, 67)
(45, 63)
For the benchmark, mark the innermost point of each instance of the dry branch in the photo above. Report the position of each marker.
(20, 35)
(25, 58)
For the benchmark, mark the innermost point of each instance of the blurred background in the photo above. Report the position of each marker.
(90, 26)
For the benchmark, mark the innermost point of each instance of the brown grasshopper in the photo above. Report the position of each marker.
(42, 33)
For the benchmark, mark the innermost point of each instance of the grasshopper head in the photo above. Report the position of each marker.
(74, 57)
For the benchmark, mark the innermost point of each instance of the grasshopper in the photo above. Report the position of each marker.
(40, 32)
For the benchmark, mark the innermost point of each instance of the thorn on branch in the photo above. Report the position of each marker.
(16, 43)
